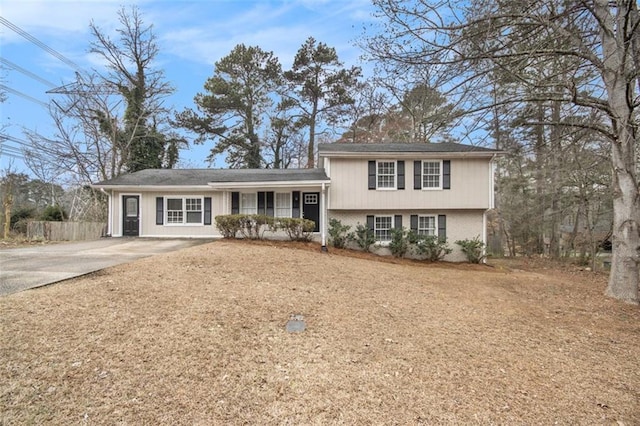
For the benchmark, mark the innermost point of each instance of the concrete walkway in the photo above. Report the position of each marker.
(35, 266)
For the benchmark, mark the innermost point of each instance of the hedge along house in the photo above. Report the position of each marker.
(184, 202)
(440, 189)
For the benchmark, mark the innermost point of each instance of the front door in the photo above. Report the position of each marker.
(311, 207)
(130, 215)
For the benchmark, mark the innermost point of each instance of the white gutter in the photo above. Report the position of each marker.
(263, 184)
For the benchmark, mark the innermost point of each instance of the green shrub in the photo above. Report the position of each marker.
(339, 234)
(428, 247)
(398, 244)
(364, 237)
(53, 214)
(473, 249)
(228, 225)
(253, 226)
(297, 229)
(20, 216)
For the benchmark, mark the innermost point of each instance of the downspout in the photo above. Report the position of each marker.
(492, 189)
(323, 218)
(109, 214)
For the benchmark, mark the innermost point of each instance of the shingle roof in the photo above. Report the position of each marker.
(194, 177)
(399, 147)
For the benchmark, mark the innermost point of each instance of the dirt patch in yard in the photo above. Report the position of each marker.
(198, 337)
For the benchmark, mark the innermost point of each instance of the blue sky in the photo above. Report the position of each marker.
(192, 36)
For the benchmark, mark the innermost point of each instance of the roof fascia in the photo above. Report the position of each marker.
(154, 188)
(413, 154)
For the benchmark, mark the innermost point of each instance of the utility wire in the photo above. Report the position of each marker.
(27, 72)
(38, 43)
(24, 95)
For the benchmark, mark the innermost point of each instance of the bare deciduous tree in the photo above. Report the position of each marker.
(592, 37)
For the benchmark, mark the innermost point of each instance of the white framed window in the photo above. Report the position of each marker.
(386, 175)
(248, 203)
(184, 210)
(432, 174)
(427, 225)
(283, 204)
(382, 228)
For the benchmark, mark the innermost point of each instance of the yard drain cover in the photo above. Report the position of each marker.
(295, 324)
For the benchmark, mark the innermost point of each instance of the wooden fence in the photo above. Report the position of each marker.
(65, 231)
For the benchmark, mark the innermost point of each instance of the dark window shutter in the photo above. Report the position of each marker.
(261, 202)
(370, 222)
(442, 227)
(417, 175)
(400, 175)
(159, 210)
(207, 210)
(414, 222)
(446, 174)
(295, 204)
(235, 203)
(372, 174)
(397, 221)
(270, 211)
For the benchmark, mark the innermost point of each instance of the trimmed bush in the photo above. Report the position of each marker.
(228, 225)
(339, 234)
(428, 247)
(253, 226)
(296, 228)
(473, 249)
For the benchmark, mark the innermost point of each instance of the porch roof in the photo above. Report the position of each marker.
(207, 178)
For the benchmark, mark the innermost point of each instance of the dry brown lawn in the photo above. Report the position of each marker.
(198, 337)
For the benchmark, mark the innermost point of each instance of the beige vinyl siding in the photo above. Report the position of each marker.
(461, 224)
(470, 187)
(148, 227)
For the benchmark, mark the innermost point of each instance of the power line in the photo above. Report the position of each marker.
(27, 72)
(40, 44)
(23, 95)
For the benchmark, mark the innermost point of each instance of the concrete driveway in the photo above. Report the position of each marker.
(35, 266)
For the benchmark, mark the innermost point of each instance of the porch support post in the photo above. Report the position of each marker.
(109, 212)
(323, 217)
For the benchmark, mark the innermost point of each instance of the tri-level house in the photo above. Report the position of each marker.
(441, 189)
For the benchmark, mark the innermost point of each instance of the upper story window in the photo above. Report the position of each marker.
(184, 211)
(386, 174)
(431, 175)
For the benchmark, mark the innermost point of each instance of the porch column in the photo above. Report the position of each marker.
(323, 217)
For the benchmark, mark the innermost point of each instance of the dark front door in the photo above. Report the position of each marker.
(311, 207)
(130, 215)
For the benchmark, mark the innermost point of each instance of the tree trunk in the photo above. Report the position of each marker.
(624, 278)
